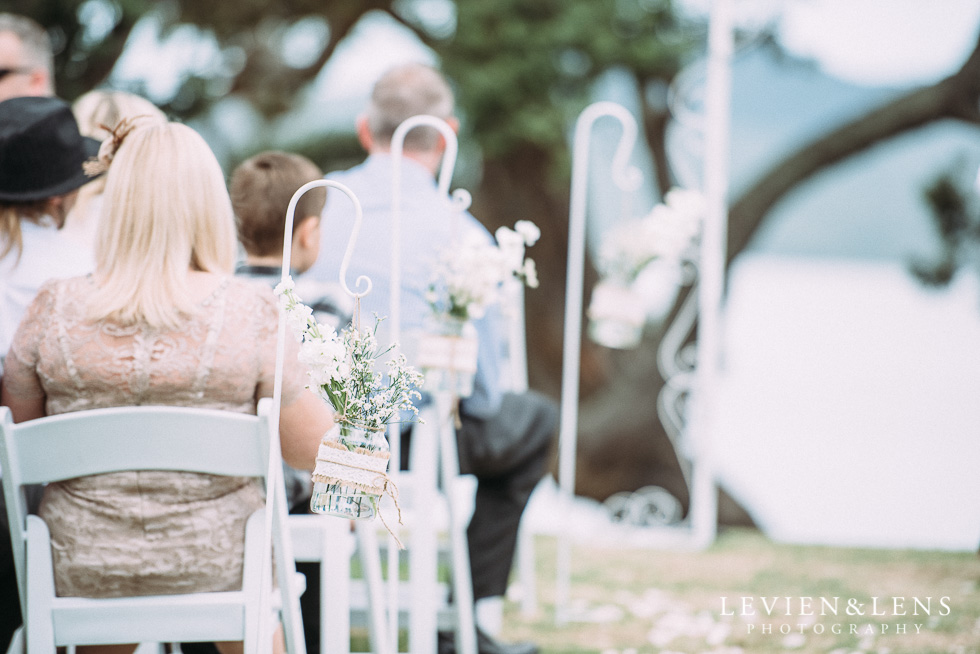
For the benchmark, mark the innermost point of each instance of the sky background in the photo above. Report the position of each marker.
(887, 42)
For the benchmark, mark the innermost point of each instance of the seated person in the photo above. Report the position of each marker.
(261, 188)
(34, 200)
(160, 321)
(505, 439)
(41, 157)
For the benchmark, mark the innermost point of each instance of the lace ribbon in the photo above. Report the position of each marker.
(360, 468)
(459, 360)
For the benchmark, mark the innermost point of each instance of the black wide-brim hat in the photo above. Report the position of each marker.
(41, 149)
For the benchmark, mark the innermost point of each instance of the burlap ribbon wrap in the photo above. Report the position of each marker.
(450, 359)
(360, 468)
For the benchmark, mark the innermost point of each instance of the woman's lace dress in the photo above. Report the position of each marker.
(156, 532)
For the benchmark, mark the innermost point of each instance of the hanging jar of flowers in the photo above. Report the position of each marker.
(446, 352)
(349, 477)
(618, 310)
(468, 278)
(346, 371)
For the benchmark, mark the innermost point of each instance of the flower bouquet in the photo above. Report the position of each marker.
(617, 312)
(350, 474)
(469, 277)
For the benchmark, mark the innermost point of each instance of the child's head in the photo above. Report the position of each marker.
(261, 188)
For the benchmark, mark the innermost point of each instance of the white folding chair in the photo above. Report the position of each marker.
(146, 438)
(436, 503)
(328, 541)
(438, 500)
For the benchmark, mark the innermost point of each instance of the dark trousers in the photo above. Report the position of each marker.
(508, 453)
(10, 617)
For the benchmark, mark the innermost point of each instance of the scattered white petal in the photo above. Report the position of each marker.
(794, 641)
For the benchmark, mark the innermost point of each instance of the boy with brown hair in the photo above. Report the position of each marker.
(261, 188)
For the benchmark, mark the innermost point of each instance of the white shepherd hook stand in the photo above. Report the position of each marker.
(626, 179)
(274, 471)
(702, 519)
(423, 553)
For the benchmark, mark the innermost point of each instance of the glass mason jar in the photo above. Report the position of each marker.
(616, 315)
(447, 354)
(346, 500)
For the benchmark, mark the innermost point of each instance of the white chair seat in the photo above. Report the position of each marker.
(149, 438)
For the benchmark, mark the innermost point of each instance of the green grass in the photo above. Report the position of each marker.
(632, 601)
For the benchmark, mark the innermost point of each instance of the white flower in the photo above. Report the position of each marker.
(298, 319)
(530, 273)
(668, 231)
(469, 275)
(285, 285)
(343, 371)
(507, 238)
(528, 231)
(688, 202)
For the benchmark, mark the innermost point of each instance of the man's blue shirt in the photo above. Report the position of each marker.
(427, 227)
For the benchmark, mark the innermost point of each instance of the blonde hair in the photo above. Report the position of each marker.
(166, 212)
(98, 113)
(11, 237)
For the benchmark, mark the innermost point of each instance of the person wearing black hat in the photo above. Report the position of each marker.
(41, 157)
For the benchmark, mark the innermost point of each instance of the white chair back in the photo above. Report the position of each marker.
(100, 441)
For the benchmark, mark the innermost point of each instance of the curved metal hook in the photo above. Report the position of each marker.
(460, 200)
(445, 177)
(448, 157)
(626, 177)
(358, 214)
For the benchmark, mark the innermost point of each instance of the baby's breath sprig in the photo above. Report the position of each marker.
(469, 275)
(344, 368)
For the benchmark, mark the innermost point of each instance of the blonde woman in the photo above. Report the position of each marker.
(98, 113)
(161, 321)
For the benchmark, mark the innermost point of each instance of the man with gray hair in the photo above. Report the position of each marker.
(26, 59)
(504, 438)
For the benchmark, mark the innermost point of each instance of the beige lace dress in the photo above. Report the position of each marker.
(156, 532)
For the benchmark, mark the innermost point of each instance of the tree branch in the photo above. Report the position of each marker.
(955, 97)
